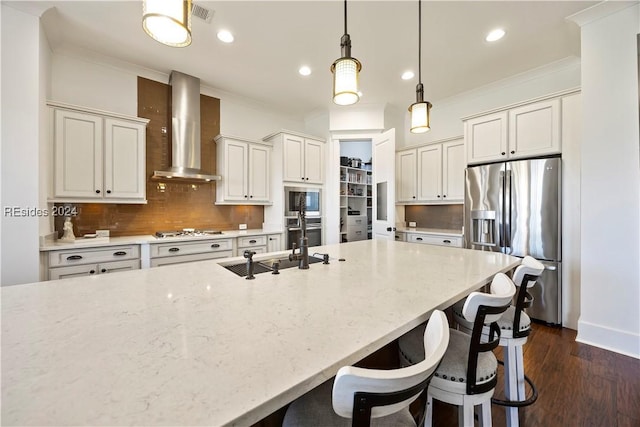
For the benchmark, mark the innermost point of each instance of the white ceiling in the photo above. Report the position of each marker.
(274, 38)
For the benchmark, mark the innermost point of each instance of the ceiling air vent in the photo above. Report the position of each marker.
(202, 12)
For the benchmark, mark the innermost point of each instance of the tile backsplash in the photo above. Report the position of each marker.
(435, 216)
(171, 205)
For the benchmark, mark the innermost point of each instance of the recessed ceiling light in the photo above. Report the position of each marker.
(304, 70)
(407, 75)
(494, 35)
(225, 36)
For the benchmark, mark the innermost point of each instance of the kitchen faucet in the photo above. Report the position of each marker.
(303, 256)
(249, 256)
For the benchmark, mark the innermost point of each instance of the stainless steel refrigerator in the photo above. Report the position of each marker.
(514, 208)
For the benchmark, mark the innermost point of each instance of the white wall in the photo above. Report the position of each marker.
(358, 117)
(21, 111)
(446, 113)
(111, 85)
(610, 211)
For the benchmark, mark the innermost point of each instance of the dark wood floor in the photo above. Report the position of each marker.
(578, 385)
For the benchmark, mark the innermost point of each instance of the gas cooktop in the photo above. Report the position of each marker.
(186, 232)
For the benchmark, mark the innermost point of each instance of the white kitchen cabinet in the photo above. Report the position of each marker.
(85, 262)
(245, 169)
(98, 157)
(302, 157)
(257, 244)
(528, 130)
(434, 239)
(431, 174)
(274, 242)
(168, 253)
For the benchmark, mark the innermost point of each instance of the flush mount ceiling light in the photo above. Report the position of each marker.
(225, 36)
(304, 70)
(168, 21)
(494, 35)
(421, 109)
(407, 75)
(345, 71)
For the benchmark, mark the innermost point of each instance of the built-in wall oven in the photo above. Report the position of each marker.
(294, 231)
(311, 196)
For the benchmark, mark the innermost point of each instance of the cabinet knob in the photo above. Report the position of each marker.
(252, 241)
(215, 245)
(245, 196)
(513, 152)
(251, 197)
(307, 179)
(92, 272)
(108, 191)
(119, 253)
(438, 196)
(97, 191)
(414, 197)
(444, 195)
(503, 153)
(104, 270)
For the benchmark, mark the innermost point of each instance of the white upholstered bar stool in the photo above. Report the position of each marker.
(467, 375)
(363, 397)
(515, 327)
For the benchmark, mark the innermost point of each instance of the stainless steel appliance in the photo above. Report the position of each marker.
(294, 231)
(514, 208)
(312, 197)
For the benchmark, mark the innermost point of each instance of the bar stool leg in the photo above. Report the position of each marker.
(511, 382)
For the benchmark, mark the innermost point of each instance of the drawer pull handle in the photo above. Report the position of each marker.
(215, 245)
(119, 253)
(252, 241)
(74, 257)
(419, 238)
(92, 272)
(446, 241)
(174, 249)
(104, 270)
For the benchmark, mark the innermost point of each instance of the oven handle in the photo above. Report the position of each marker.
(309, 227)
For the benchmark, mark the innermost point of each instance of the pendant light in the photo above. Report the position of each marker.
(345, 71)
(421, 109)
(168, 21)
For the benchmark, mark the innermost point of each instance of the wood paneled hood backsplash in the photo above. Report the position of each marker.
(171, 205)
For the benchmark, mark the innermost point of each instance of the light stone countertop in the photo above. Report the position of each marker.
(194, 344)
(439, 231)
(81, 243)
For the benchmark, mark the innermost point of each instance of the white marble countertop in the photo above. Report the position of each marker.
(439, 231)
(194, 344)
(81, 243)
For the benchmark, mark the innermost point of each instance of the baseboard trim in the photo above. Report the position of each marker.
(615, 340)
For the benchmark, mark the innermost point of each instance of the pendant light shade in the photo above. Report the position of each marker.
(168, 21)
(420, 110)
(346, 71)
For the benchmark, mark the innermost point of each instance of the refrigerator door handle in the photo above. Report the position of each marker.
(550, 268)
(507, 212)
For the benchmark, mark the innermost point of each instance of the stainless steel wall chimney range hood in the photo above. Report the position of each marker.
(185, 138)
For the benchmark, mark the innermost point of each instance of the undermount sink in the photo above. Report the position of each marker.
(264, 266)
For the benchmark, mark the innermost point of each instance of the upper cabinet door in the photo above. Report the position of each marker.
(534, 129)
(293, 158)
(78, 154)
(124, 150)
(453, 165)
(313, 162)
(406, 176)
(430, 173)
(236, 159)
(259, 177)
(486, 138)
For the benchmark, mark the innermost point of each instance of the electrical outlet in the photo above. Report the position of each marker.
(412, 224)
(243, 226)
(102, 233)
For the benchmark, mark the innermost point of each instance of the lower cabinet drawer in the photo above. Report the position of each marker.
(93, 255)
(356, 220)
(250, 241)
(355, 233)
(182, 248)
(435, 240)
(93, 269)
(179, 259)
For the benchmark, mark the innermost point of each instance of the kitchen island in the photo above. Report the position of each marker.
(195, 344)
